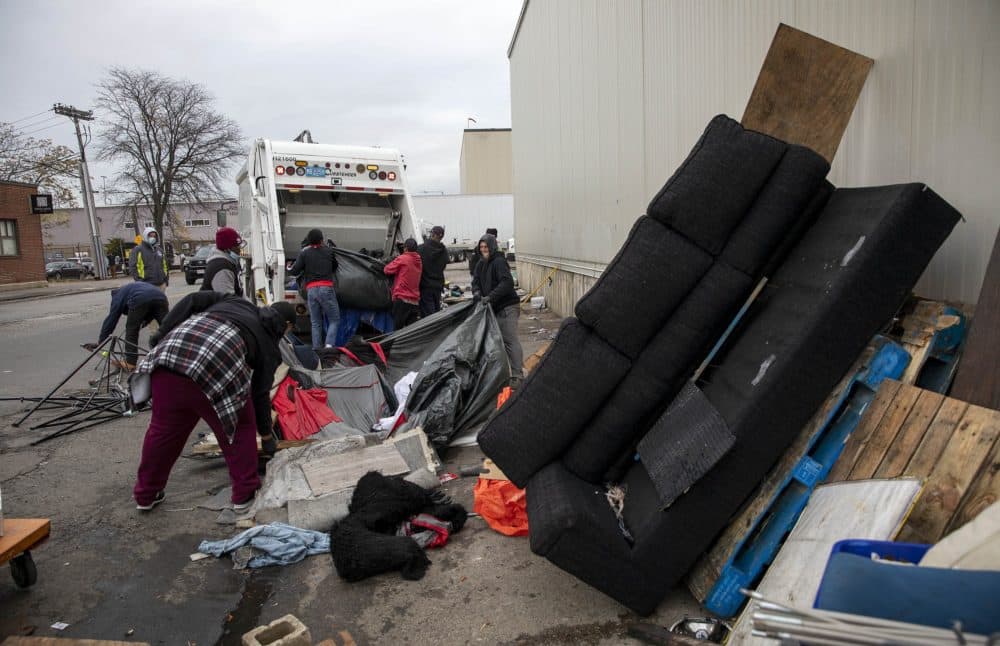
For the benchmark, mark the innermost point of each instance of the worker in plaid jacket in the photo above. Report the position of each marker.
(213, 358)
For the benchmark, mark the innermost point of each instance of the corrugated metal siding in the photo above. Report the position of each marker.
(466, 217)
(608, 98)
(485, 162)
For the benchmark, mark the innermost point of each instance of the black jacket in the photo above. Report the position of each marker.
(434, 256)
(491, 277)
(314, 263)
(260, 329)
(221, 266)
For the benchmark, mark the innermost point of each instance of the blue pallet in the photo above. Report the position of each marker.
(764, 537)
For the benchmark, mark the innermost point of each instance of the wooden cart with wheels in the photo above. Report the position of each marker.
(20, 536)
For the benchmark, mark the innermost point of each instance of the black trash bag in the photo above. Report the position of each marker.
(457, 386)
(407, 349)
(361, 284)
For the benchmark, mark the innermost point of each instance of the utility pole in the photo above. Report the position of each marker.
(88, 196)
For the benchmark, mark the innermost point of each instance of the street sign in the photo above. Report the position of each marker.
(41, 204)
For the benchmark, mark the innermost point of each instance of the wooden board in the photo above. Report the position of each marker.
(20, 534)
(342, 471)
(957, 468)
(953, 446)
(882, 437)
(210, 447)
(910, 435)
(532, 361)
(706, 571)
(806, 91)
(868, 509)
(977, 380)
(919, 328)
(983, 492)
(858, 439)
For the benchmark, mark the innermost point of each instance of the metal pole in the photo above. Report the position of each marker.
(61, 383)
(88, 195)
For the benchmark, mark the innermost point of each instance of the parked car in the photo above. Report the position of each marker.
(65, 269)
(87, 263)
(194, 266)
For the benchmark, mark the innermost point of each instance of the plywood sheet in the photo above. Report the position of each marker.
(806, 91)
(342, 471)
(866, 509)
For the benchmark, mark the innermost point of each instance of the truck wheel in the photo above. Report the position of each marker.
(190, 278)
(23, 569)
(58, 275)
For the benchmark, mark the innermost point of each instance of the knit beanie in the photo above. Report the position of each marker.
(227, 238)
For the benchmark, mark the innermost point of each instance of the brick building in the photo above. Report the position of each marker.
(22, 259)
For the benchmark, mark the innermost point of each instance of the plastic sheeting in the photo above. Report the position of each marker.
(301, 411)
(358, 395)
(457, 385)
(360, 283)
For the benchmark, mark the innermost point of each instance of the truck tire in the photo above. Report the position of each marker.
(189, 278)
(23, 570)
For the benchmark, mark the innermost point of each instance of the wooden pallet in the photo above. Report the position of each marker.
(953, 445)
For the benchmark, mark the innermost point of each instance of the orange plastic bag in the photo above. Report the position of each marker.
(502, 505)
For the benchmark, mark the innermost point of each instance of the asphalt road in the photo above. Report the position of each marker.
(113, 573)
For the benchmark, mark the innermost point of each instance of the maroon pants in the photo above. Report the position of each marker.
(178, 404)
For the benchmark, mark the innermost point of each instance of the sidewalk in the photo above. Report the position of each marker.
(63, 288)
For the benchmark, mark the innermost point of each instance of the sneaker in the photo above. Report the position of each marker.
(243, 507)
(156, 500)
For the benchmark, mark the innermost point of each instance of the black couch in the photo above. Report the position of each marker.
(741, 207)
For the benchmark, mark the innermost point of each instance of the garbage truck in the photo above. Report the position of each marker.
(356, 195)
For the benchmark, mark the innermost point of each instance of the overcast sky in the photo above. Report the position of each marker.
(402, 74)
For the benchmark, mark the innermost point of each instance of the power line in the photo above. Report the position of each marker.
(33, 124)
(29, 133)
(29, 117)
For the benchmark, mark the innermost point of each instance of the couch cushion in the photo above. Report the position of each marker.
(658, 373)
(648, 277)
(710, 193)
(544, 416)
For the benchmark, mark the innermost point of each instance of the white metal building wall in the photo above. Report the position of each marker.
(607, 98)
(466, 217)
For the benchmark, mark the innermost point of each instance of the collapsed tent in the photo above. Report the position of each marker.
(457, 353)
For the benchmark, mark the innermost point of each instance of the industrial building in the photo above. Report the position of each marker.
(484, 163)
(627, 88)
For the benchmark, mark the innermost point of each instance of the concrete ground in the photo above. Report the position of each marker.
(113, 573)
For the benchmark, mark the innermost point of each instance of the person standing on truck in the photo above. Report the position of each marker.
(434, 259)
(315, 269)
(407, 268)
(213, 359)
(492, 283)
(147, 262)
(222, 270)
(141, 303)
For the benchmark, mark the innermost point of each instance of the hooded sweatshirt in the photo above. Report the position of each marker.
(147, 263)
(434, 256)
(221, 273)
(491, 277)
(406, 267)
(260, 328)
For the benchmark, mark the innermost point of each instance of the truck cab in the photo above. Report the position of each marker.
(357, 196)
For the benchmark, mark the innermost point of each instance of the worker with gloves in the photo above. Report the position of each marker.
(492, 283)
(406, 267)
(147, 262)
(141, 303)
(213, 359)
(222, 270)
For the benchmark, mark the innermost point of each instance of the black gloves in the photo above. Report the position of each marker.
(268, 446)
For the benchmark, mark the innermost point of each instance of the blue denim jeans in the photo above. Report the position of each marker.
(323, 301)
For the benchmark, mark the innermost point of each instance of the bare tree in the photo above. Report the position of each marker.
(170, 143)
(38, 161)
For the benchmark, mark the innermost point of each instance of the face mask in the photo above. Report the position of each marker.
(235, 257)
(151, 241)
